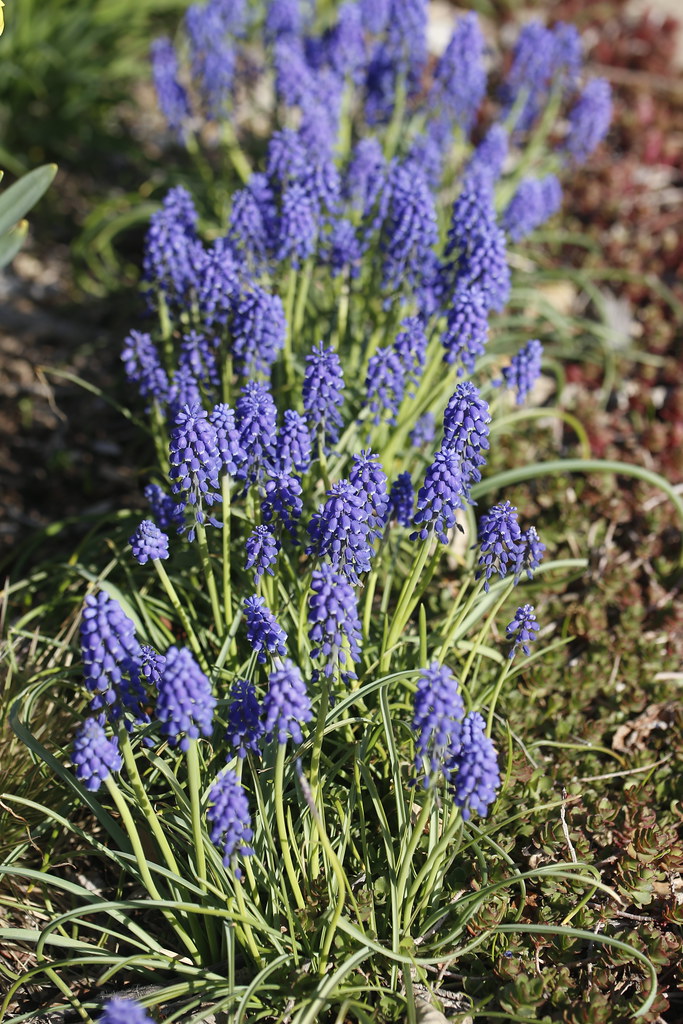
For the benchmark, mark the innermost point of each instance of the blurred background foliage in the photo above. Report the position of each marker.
(63, 69)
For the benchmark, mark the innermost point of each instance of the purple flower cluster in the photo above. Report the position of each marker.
(245, 727)
(229, 818)
(185, 703)
(195, 463)
(143, 366)
(294, 446)
(443, 492)
(402, 499)
(589, 119)
(534, 202)
(171, 95)
(467, 328)
(111, 658)
(466, 430)
(286, 705)
(124, 1011)
(263, 632)
(500, 542)
(438, 711)
(474, 769)
(322, 392)
(149, 541)
(522, 630)
(335, 631)
(479, 243)
(95, 756)
(262, 548)
(340, 531)
(257, 425)
(524, 370)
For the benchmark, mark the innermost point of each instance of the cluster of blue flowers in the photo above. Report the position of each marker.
(260, 404)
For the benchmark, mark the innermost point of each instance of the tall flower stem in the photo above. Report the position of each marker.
(181, 613)
(282, 825)
(141, 860)
(227, 592)
(205, 559)
(318, 735)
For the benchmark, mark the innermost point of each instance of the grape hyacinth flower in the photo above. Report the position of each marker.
(500, 542)
(286, 705)
(185, 703)
(229, 818)
(124, 1011)
(151, 664)
(467, 328)
(257, 424)
(253, 219)
(232, 454)
(245, 727)
(198, 356)
(340, 531)
(283, 18)
(385, 385)
(111, 658)
(212, 54)
(439, 497)
(282, 503)
(401, 499)
(195, 463)
(466, 430)
(370, 481)
(424, 431)
(343, 249)
(149, 541)
(479, 243)
(168, 261)
(411, 347)
(95, 756)
(438, 711)
(524, 370)
(262, 548)
(410, 230)
(184, 390)
(522, 630)
(335, 630)
(171, 96)
(322, 392)
(263, 632)
(298, 229)
(143, 367)
(530, 554)
(589, 119)
(258, 331)
(217, 281)
(490, 154)
(476, 768)
(164, 508)
(535, 200)
(293, 447)
(460, 78)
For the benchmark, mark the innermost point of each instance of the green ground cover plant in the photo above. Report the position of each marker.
(291, 762)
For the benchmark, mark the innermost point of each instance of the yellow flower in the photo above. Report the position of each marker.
(2, 17)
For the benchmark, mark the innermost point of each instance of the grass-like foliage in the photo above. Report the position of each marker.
(290, 768)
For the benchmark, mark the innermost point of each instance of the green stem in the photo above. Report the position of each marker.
(141, 860)
(400, 617)
(408, 860)
(205, 559)
(246, 927)
(181, 613)
(318, 736)
(282, 825)
(302, 296)
(235, 153)
(227, 593)
(496, 693)
(194, 787)
(144, 801)
(484, 630)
